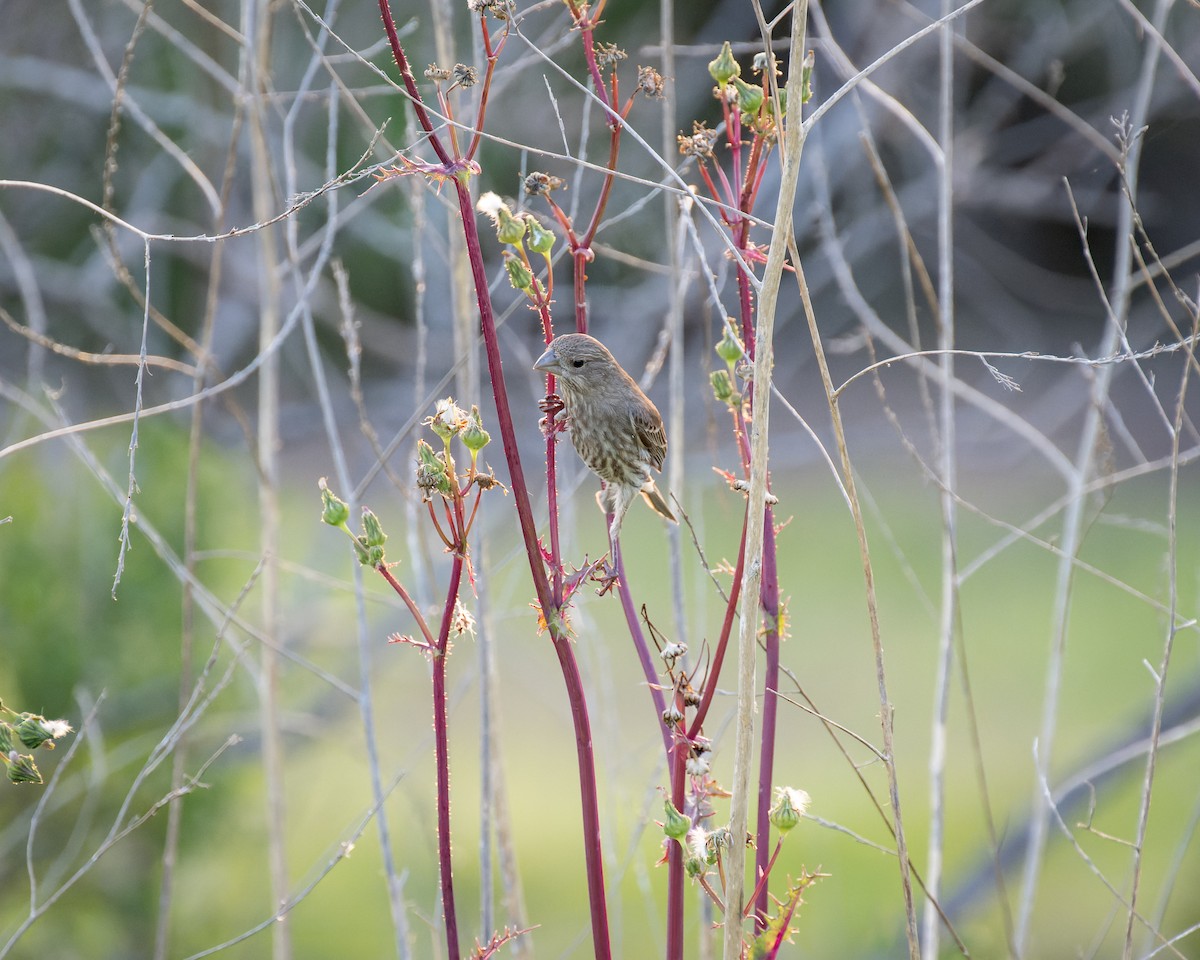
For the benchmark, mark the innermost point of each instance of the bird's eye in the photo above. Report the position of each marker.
(577, 363)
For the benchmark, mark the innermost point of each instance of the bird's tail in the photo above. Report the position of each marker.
(657, 502)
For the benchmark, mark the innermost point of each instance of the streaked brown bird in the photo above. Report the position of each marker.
(616, 430)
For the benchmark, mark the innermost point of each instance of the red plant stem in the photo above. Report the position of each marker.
(562, 644)
(586, 28)
(643, 653)
(408, 602)
(677, 761)
(492, 56)
(441, 743)
(410, 83)
(614, 151)
(760, 888)
(714, 670)
(769, 597)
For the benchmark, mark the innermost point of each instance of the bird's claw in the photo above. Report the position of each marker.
(552, 405)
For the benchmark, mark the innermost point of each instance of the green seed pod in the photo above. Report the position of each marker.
(725, 67)
(676, 825)
(750, 96)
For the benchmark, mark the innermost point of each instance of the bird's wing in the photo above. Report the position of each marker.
(650, 432)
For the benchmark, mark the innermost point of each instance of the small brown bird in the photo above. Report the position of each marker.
(616, 430)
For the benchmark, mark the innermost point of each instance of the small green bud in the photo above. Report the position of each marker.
(541, 240)
(21, 768)
(34, 731)
(6, 739)
(373, 535)
(334, 511)
(373, 556)
(677, 824)
(474, 437)
(518, 274)
(788, 808)
(695, 867)
(722, 386)
(730, 348)
(806, 77)
(750, 96)
(724, 68)
(509, 229)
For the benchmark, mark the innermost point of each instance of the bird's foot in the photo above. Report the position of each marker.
(552, 405)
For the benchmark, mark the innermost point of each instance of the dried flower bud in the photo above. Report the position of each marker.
(700, 762)
(672, 716)
(434, 72)
(464, 76)
(431, 471)
(500, 9)
(608, 55)
(788, 808)
(760, 63)
(448, 420)
(700, 143)
(724, 68)
(650, 83)
(539, 184)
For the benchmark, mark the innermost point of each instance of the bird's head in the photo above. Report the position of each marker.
(577, 360)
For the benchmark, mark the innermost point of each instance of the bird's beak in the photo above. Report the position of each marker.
(548, 362)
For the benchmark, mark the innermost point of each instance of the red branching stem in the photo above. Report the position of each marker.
(408, 602)
(552, 461)
(769, 597)
(594, 863)
(437, 526)
(583, 736)
(727, 195)
(677, 761)
(587, 26)
(714, 670)
(410, 83)
(760, 889)
(492, 54)
(642, 648)
(474, 510)
(441, 744)
(614, 151)
(448, 113)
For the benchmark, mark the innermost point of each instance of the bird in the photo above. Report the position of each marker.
(616, 429)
